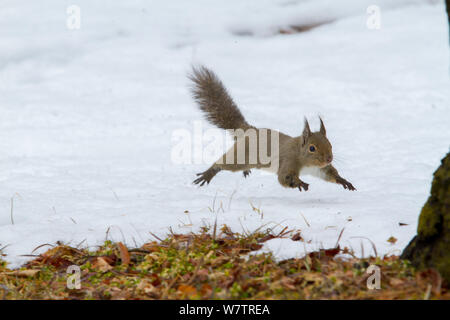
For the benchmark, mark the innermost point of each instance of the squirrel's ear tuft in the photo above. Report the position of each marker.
(306, 131)
(322, 127)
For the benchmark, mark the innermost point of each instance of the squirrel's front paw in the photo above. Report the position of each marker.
(345, 184)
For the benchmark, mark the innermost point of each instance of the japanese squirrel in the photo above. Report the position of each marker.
(310, 153)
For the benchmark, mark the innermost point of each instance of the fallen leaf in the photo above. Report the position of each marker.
(288, 283)
(430, 277)
(267, 237)
(392, 240)
(22, 273)
(124, 254)
(187, 290)
(206, 290)
(332, 252)
(202, 274)
(151, 246)
(313, 278)
(395, 282)
(297, 237)
(119, 294)
(101, 264)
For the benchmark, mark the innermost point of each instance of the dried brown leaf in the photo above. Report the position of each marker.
(124, 254)
(187, 290)
(22, 273)
(101, 264)
(392, 240)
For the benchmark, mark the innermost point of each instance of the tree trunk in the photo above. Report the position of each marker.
(447, 5)
(431, 247)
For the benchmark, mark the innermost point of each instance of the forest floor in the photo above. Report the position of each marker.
(215, 263)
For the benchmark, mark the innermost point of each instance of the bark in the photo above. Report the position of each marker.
(430, 248)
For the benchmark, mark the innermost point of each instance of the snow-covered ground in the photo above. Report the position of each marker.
(87, 118)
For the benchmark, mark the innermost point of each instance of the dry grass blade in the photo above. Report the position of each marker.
(156, 237)
(339, 237)
(374, 248)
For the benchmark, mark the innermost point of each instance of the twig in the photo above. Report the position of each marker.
(231, 198)
(156, 237)
(339, 238)
(42, 245)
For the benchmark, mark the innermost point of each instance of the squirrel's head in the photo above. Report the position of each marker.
(315, 147)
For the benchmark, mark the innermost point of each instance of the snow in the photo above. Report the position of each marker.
(88, 117)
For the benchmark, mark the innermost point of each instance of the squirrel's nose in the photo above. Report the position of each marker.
(329, 159)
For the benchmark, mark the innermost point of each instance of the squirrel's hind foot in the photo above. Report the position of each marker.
(303, 185)
(293, 181)
(206, 177)
(246, 173)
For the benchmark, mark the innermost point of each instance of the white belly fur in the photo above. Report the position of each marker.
(312, 171)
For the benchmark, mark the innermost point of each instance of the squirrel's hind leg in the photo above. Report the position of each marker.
(206, 176)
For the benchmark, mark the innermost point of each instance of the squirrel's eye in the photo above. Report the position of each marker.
(312, 148)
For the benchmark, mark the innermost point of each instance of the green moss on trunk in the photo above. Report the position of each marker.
(431, 247)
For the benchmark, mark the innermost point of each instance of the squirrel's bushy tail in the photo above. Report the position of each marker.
(214, 100)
